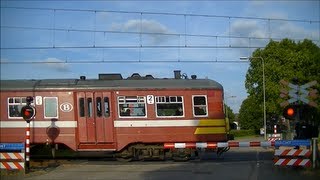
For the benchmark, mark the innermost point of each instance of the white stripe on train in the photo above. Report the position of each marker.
(156, 123)
(37, 124)
(117, 123)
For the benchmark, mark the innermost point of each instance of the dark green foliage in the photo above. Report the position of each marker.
(230, 113)
(242, 133)
(286, 60)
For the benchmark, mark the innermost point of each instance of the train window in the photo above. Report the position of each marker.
(50, 107)
(106, 107)
(160, 99)
(89, 101)
(169, 106)
(99, 106)
(81, 107)
(132, 106)
(200, 106)
(14, 106)
(173, 99)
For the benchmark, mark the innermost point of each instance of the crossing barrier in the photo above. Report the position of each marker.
(283, 157)
(213, 145)
(292, 157)
(274, 137)
(297, 156)
(12, 156)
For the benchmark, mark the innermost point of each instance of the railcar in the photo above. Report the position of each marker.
(133, 117)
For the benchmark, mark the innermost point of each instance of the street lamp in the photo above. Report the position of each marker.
(264, 93)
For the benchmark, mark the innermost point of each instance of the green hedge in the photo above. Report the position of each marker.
(241, 133)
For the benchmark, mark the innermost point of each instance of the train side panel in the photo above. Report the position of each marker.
(156, 128)
(54, 121)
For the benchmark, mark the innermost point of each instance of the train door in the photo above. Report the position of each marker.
(95, 124)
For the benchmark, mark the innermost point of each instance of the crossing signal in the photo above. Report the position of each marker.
(28, 111)
(290, 112)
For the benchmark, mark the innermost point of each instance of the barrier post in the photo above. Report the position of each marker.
(27, 150)
(314, 152)
(28, 112)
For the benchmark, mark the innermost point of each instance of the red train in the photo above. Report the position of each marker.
(133, 117)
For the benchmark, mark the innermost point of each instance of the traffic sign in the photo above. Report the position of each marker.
(309, 84)
(313, 93)
(298, 93)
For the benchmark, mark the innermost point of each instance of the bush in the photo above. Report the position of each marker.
(241, 133)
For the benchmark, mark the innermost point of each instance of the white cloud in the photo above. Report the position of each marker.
(290, 30)
(145, 26)
(56, 64)
(274, 30)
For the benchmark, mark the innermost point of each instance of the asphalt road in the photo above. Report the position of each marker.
(238, 163)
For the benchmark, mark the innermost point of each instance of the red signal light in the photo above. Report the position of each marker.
(290, 112)
(28, 112)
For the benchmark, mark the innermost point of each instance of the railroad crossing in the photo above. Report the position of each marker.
(299, 93)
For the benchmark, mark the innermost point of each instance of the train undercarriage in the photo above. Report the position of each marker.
(132, 152)
(143, 152)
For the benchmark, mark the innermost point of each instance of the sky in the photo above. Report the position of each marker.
(69, 39)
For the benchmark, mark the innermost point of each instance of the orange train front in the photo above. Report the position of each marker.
(133, 117)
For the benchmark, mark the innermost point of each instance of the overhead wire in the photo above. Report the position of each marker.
(162, 13)
(140, 33)
(122, 61)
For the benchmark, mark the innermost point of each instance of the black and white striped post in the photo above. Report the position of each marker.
(28, 112)
(27, 150)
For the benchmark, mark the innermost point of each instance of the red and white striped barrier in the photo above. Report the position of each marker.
(274, 137)
(293, 152)
(292, 162)
(292, 157)
(213, 145)
(12, 161)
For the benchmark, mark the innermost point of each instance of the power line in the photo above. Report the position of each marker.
(131, 47)
(185, 34)
(140, 46)
(146, 33)
(121, 62)
(162, 13)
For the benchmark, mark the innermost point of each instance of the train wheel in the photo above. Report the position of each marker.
(181, 155)
(124, 159)
(124, 156)
(181, 159)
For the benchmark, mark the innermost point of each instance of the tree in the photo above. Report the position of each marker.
(230, 113)
(250, 115)
(286, 60)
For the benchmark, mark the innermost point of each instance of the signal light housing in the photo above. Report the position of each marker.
(28, 111)
(290, 112)
(29, 100)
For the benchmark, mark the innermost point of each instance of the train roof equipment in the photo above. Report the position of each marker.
(111, 81)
